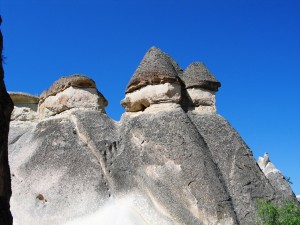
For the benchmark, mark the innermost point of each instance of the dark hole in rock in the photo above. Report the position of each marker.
(40, 197)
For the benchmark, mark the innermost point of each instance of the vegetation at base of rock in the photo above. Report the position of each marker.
(269, 213)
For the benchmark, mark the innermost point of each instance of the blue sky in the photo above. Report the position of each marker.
(252, 47)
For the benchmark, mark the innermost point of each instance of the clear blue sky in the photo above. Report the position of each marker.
(252, 47)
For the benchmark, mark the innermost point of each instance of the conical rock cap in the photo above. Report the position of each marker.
(76, 80)
(197, 75)
(156, 68)
(20, 97)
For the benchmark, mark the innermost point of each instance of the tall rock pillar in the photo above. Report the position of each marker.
(6, 107)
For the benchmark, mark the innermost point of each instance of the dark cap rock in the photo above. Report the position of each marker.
(197, 75)
(20, 97)
(156, 68)
(76, 80)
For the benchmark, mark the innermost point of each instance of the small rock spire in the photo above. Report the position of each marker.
(199, 90)
(197, 75)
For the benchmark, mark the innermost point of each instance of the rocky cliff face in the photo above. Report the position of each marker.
(6, 106)
(275, 177)
(169, 160)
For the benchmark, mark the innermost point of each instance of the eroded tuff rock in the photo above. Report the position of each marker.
(199, 90)
(277, 180)
(161, 164)
(25, 108)
(156, 68)
(6, 107)
(197, 75)
(76, 91)
(155, 81)
(243, 179)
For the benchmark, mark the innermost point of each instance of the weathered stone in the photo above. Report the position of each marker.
(156, 68)
(6, 107)
(142, 98)
(201, 100)
(25, 106)
(158, 165)
(23, 114)
(23, 98)
(277, 180)
(244, 180)
(76, 80)
(79, 92)
(197, 75)
(57, 175)
(169, 161)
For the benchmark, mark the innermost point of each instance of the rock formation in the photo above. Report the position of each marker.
(199, 88)
(169, 160)
(278, 181)
(155, 81)
(76, 91)
(25, 106)
(6, 107)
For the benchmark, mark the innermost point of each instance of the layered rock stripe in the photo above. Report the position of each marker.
(169, 160)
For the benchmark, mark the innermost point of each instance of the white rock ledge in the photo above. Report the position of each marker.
(203, 100)
(71, 97)
(142, 98)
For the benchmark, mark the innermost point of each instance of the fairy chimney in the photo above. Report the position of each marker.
(75, 91)
(154, 82)
(200, 88)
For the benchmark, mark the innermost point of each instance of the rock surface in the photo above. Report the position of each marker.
(23, 98)
(140, 99)
(25, 106)
(76, 80)
(275, 177)
(197, 75)
(199, 89)
(156, 68)
(160, 164)
(243, 179)
(76, 91)
(6, 107)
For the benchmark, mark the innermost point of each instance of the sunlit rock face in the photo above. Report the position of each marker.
(169, 160)
(25, 108)
(76, 91)
(200, 87)
(275, 177)
(202, 100)
(155, 81)
(142, 98)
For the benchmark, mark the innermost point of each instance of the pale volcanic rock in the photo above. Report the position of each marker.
(155, 81)
(142, 98)
(25, 106)
(243, 179)
(202, 100)
(23, 98)
(75, 91)
(23, 114)
(197, 75)
(76, 80)
(277, 180)
(156, 68)
(200, 86)
(160, 164)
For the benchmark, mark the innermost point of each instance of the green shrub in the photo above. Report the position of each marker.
(271, 214)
